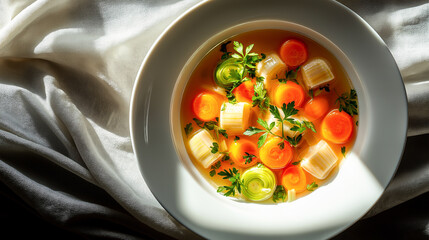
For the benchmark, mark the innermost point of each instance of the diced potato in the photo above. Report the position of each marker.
(234, 118)
(200, 144)
(316, 73)
(319, 160)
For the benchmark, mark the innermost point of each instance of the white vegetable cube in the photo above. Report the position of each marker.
(316, 73)
(320, 160)
(200, 144)
(234, 118)
(269, 68)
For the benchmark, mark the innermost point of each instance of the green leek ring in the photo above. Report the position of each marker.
(259, 183)
(223, 71)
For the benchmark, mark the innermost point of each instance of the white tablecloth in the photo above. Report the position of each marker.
(67, 68)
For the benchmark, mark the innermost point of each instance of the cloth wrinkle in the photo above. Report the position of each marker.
(67, 69)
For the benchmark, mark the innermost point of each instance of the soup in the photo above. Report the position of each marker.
(268, 116)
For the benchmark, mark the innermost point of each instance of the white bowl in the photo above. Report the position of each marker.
(362, 176)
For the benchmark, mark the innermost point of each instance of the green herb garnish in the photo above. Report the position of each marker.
(188, 129)
(343, 151)
(234, 177)
(312, 186)
(260, 97)
(348, 102)
(248, 157)
(279, 194)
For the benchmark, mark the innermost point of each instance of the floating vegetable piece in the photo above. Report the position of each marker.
(291, 195)
(289, 92)
(293, 52)
(201, 146)
(276, 153)
(316, 108)
(259, 183)
(244, 92)
(234, 118)
(227, 72)
(293, 177)
(269, 68)
(320, 160)
(206, 106)
(337, 127)
(316, 73)
(243, 152)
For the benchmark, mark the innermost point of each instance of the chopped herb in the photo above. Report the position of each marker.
(214, 147)
(223, 48)
(357, 123)
(188, 129)
(225, 156)
(260, 97)
(234, 177)
(294, 141)
(211, 126)
(343, 151)
(290, 75)
(319, 91)
(296, 163)
(248, 157)
(223, 107)
(236, 138)
(214, 167)
(348, 102)
(312, 186)
(279, 194)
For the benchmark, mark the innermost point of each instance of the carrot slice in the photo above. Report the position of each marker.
(316, 108)
(286, 93)
(337, 127)
(240, 150)
(293, 52)
(273, 156)
(206, 106)
(293, 177)
(244, 92)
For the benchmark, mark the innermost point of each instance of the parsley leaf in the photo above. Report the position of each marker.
(348, 102)
(312, 186)
(214, 147)
(296, 163)
(279, 194)
(343, 151)
(290, 75)
(260, 97)
(248, 157)
(188, 129)
(234, 177)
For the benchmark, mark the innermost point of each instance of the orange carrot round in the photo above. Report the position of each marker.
(286, 93)
(240, 150)
(316, 107)
(337, 127)
(293, 177)
(244, 92)
(293, 52)
(273, 156)
(206, 106)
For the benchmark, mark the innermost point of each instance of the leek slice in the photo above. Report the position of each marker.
(291, 195)
(259, 183)
(223, 70)
(316, 73)
(319, 160)
(269, 68)
(200, 144)
(234, 118)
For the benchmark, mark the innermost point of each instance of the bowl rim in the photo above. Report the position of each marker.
(143, 139)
